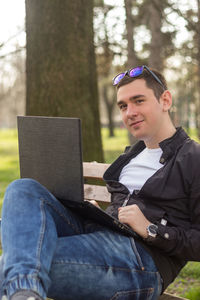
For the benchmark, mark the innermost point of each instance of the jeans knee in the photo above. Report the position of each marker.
(19, 189)
(22, 195)
(24, 184)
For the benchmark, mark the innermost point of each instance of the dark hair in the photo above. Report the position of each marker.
(150, 82)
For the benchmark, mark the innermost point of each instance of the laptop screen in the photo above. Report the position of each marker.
(50, 152)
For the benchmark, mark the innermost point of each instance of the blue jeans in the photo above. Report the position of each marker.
(51, 250)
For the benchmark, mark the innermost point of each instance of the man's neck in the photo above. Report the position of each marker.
(154, 143)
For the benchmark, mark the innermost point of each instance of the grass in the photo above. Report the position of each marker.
(9, 166)
(187, 284)
(114, 146)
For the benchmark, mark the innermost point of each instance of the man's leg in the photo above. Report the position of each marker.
(102, 265)
(32, 221)
(86, 266)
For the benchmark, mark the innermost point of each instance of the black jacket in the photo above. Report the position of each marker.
(173, 194)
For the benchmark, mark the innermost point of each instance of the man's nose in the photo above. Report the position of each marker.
(131, 110)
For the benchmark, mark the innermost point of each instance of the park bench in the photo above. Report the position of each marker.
(94, 190)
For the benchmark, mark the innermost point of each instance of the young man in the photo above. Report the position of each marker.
(154, 186)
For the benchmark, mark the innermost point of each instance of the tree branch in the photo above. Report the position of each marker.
(10, 38)
(12, 52)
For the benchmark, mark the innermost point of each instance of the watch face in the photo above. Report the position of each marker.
(152, 230)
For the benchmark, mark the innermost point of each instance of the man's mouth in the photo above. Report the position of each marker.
(135, 123)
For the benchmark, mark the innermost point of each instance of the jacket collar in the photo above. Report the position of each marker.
(168, 146)
(172, 144)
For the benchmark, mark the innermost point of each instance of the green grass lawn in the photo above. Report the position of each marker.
(9, 166)
(114, 146)
(187, 283)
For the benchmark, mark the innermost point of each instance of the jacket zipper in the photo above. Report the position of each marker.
(126, 200)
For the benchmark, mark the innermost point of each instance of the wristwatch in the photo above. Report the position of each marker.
(152, 231)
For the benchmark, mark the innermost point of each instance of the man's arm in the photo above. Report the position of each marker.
(132, 215)
(175, 241)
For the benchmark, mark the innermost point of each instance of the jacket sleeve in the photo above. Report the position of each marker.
(181, 242)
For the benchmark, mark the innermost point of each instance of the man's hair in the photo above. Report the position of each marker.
(151, 82)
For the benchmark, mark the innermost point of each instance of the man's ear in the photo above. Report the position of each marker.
(166, 100)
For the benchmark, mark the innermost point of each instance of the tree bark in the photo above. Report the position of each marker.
(60, 66)
(108, 57)
(155, 24)
(110, 103)
(132, 60)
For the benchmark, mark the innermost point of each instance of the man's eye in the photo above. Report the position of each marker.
(122, 106)
(139, 101)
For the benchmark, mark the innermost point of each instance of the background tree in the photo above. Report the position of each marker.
(104, 54)
(160, 45)
(60, 66)
(154, 25)
(12, 87)
(188, 53)
(132, 59)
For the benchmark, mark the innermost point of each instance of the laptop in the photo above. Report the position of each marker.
(50, 151)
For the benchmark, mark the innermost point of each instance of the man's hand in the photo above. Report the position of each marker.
(132, 215)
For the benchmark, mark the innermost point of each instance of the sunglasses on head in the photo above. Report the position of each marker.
(134, 72)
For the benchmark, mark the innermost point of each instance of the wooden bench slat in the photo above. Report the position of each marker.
(94, 170)
(96, 192)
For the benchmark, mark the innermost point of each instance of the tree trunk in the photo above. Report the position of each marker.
(132, 60)
(155, 24)
(110, 103)
(60, 66)
(107, 63)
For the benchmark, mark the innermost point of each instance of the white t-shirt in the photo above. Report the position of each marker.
(140, 168)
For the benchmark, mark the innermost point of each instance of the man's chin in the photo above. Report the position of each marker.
(137, 134)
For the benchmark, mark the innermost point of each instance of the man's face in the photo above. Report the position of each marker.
(141, 112)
